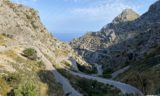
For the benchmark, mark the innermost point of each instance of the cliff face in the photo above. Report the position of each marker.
(28, 52)
(107, 34)
(125, 16)
(129, 40)
(23, 25)
(21, 22)
(24, 45)
(128, 35)
(95, 46)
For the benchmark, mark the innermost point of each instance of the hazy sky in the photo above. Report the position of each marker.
(68, 19)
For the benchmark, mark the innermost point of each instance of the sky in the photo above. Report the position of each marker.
(68, 19)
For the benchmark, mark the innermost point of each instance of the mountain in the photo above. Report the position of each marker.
(95, 46)
(29, 55)
(125, 16)
(129, 41)
(34, 63)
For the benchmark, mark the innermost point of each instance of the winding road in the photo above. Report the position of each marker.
(125, 88)
(99, 69)
(68, 89)
(116, 73)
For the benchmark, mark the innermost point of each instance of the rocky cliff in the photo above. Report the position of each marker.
(28, 53)
(125, 34)
(128, 39)
(34, 63)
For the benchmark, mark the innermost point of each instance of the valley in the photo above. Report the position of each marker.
(122, 59)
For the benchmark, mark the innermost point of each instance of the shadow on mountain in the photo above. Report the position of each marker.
(90, 87)
(54, 87)
(141, 52)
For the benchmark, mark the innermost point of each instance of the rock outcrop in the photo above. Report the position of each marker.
(129, 38)
(21, 29)
(125, 16)
(96, 44)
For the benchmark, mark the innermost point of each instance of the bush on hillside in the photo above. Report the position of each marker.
(30, 53)
(7, 35)
(28, 89)
(107, 73)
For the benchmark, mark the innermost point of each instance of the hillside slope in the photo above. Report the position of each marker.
(129, 40)
(26, 51)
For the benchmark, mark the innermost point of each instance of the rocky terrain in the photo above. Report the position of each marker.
(35, 63)
(25, 49)
(130, 42)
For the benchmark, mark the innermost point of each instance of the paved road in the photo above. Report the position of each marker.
(99, 69)
(67, 87)
(65, 83)
(115, 74)
(125, 88)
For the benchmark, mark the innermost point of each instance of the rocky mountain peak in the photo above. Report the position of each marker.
(126, 15)
(155, 7)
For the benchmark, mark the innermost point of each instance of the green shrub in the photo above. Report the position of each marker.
(90, 87)
(41, 64)
(107, 73)
(155, 52)
(30, 53)
(34, 25)
(28, 89)
(7, 35)
(11, 78)
(86, 69)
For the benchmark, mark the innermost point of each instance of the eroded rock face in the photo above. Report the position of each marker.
(20, 21)
(155, 7)
(125, 16)
(127, 38)
(23, 24)
(21, 28)
(112, 33)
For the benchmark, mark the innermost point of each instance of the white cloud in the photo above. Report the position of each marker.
(24, 1)
(106, 9)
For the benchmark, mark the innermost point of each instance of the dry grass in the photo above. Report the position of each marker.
(31, 72)
(4, 88)
(2, 41)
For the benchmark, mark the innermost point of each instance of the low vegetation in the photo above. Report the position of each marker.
(90, 87)
(4, 38)
(27, 89)
(107, 73)
(7, 35)
(30, 53)
(86, 69)
(33, 23)
(40, 83)
(30, 78)
(145, 74)
(53, 87)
